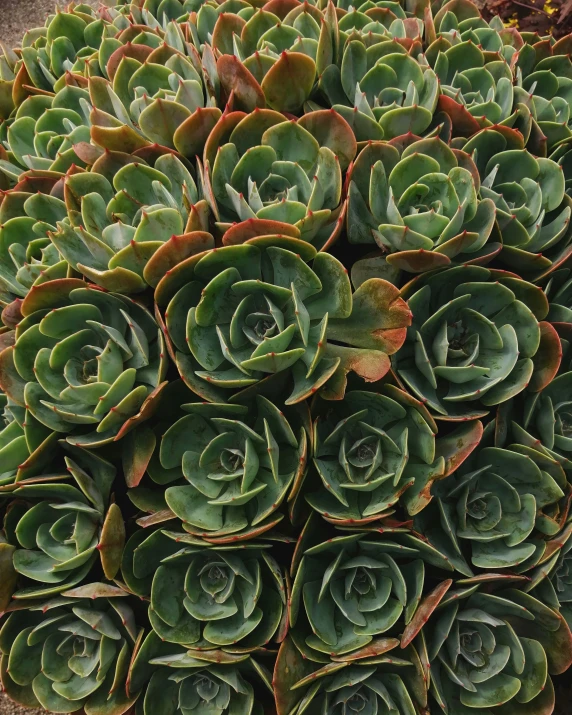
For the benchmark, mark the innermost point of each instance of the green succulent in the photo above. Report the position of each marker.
(381, 95)
(532, 209)
(490, 512)
(128, 222)
(381, 682)
(283, 176)
(349, 590)
(239, 465)
(195, 680)
(26, 445)
(474, 339)
(27, 256)
(417, 199)
(60, 530)
(492, 652)
(71, 652)
(84, 358)
(551, 582)
(371, 451)
(239, 313)
(229, 597)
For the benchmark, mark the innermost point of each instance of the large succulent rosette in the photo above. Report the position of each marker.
(474, 342)
(239, 466)
(350, 590)
(490, 512)
(72, 652)
(492, 652)
(206, 680)
(130, 219)
(59, 531)
(239, 313)
(532, 209)
(417, 199)
(273, 176)
(227, 597)
(371, 450)
(381, 681)
(381, 91)
(84, 358)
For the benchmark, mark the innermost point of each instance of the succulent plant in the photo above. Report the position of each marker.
(60, 530)
(284, 176)
(230, 597)
(84, 357)
(381, 95)
(246, 311)
(128, 222)
(27, 213)
(71, 652)
(194, 680)
(493, 651)
(474, 339)
(491, 512)
(371, 450)
(238, 465)
(417, 199)
(551, 582)
(382, 681)
(349, 590)
(532, 209)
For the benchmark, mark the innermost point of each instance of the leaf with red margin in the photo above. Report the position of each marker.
(547, 359)
(458, 445)
(236, 78)
(424, 611)
(464, 124)
(290, 669)
(191, 135)
(330, 129)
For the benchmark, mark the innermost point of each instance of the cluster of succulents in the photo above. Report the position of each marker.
(285, 360)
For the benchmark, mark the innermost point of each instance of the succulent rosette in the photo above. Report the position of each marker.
(380, 95)
(71, 652)
(228, 597)
(417, 199)
(370, 451)
(84, 357)
(239, 465)
(551, 582)
(532, 208)
(493, 652)
(490, 512)
(60, 530)
(381, 682)
(350, 590)
(128, 220)
(209, 680)
(474, 339)
(27, 213)
(239, 313)
(281, 177)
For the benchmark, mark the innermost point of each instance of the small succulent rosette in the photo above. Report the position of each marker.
(495, 513)
(58, 532)
(131, 219)
(84, 359)
(71, 652)
(418, 201)
(238, 314)
(492, 649)
(188, 681)
(229, 597)
(476, 340)
(381, 679)
(532, 207)
(351, 590)
(264, 174)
